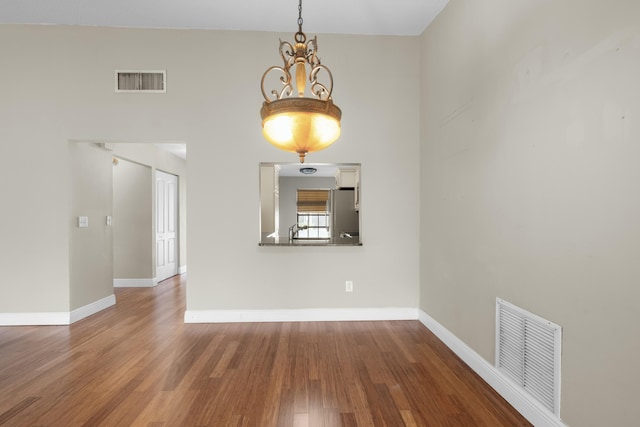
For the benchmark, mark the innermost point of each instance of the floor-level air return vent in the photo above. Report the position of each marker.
(528, 350)
(141, 81)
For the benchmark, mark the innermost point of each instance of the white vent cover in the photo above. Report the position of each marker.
(141, 81)
(528, 350)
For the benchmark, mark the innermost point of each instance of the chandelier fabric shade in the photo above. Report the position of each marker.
(297, 123)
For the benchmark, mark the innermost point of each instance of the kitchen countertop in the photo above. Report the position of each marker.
(271, 241)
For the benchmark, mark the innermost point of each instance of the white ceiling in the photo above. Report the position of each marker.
(177, 149)
(380, 17)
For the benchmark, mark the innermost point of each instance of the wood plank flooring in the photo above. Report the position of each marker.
(138, 364)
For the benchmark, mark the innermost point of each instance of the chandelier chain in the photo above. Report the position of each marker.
(300, 16)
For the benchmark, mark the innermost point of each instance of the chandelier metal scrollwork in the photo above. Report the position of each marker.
(297, 123)
(307, 50)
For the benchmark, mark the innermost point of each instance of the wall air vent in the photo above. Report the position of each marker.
(528, 350)
(141, 81)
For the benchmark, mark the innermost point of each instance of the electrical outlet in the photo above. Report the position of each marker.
(348, 286)
(83, 221)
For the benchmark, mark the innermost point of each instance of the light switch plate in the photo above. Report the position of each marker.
(83, 221)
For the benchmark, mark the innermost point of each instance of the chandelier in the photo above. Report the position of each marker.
(297, 123)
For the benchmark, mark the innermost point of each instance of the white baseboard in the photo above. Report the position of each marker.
(56, 318)
(35, 319)
(520, 400)
(135, 283)
(300, 315)
(93, 308)
(182, 270)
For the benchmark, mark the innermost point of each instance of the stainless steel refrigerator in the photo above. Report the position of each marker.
(344, 217)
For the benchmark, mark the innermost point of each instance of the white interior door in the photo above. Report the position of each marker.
(166, 225)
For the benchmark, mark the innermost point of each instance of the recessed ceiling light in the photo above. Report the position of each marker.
(308, 171)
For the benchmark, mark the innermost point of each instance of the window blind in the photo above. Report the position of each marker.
(313, 201)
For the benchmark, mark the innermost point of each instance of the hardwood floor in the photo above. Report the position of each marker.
(138, 364)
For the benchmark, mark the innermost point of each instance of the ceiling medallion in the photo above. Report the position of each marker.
(297, 123)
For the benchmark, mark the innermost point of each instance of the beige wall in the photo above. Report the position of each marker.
(132, 227)
(227, 269)
(90, 248)
(57, 86)
(529, 158)
(268, 197)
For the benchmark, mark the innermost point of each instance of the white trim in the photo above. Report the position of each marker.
(182, 269)
(521, 401)
(35, 319)
(135, 283)
(93, 308)
(300, 315)
(56, 318)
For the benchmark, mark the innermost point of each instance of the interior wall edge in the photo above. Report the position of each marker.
(93, 308)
